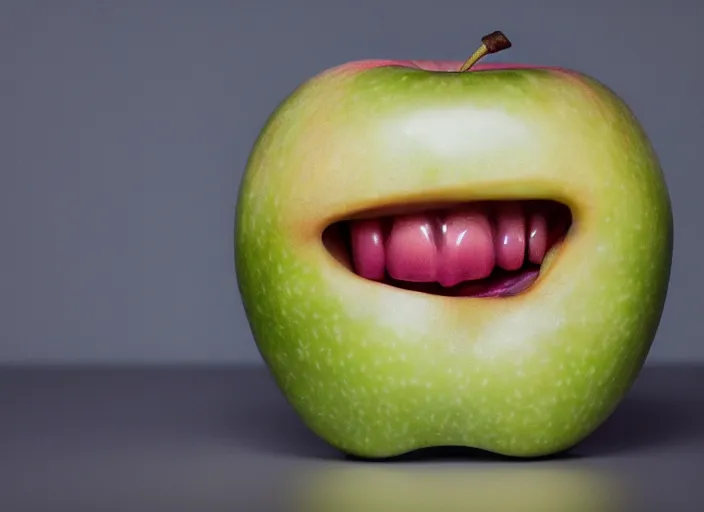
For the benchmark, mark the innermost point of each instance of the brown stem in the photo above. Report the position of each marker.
(491, 43)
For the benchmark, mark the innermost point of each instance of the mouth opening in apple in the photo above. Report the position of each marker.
(476, 249)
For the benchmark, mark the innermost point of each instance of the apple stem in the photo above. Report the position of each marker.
(491, 43)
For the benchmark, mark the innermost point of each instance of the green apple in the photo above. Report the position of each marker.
(377, 367)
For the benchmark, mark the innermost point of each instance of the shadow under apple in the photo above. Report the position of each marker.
(652, 415)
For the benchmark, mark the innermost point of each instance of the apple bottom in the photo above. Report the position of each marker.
(477, 249)
(377, 371)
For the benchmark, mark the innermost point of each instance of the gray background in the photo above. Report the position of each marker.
(125, 127)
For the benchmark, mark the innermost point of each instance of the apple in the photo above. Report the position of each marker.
(438, 253)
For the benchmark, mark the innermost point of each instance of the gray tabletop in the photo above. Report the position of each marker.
(206, 439)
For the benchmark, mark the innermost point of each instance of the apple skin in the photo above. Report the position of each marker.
(377, 371)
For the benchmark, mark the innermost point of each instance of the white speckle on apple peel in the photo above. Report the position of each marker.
(509, 335)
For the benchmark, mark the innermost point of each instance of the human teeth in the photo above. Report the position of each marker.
(510, 240)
